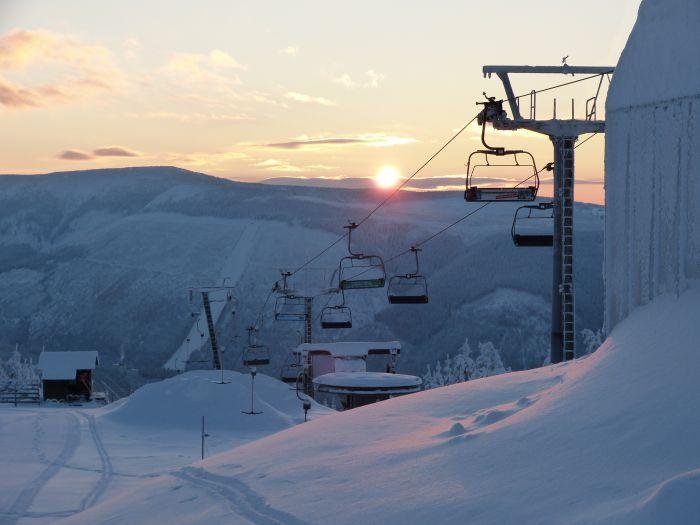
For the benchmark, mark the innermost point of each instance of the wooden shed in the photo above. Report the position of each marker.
(67, 375)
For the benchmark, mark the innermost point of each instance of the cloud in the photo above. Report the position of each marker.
(114, 151)
(367, 139)
(72, 154)
(277, 165)
(292, 51)
(195, 117)
(74, 69)
(372, 80)
(308, 99)
(202, 159)
(214, 69)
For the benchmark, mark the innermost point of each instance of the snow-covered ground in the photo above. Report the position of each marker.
(57, 461)
(610, 438)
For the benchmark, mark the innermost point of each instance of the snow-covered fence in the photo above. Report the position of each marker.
(652, 160)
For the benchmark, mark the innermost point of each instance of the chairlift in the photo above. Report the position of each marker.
(255, 354)
(290, 308)
(411, 288)
(531, 228)
(358, 271)
(481, 160)
(337, 316)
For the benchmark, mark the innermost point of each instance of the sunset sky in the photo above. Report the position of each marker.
(255, 90)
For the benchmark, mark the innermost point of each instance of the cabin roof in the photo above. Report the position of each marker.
(352, 349)
(62, 365)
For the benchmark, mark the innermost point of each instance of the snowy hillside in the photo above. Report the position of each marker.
(103, 259)
(611, 438)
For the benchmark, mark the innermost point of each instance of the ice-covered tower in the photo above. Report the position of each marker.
(652, 159)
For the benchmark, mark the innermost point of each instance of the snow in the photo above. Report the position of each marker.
(651, 161)
(609, 438)
(181, 401)
(62, 365)
(58, 461)
(367, 380)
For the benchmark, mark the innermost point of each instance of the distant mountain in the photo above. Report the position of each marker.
(432, 183)
(103, 259)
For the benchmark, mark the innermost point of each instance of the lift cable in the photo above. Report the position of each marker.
(390, 196)
(547, 166)
(564, 84)
(416, 172)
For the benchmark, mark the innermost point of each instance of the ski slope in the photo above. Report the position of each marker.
(610, 438)
(57, 461)
(231, 273)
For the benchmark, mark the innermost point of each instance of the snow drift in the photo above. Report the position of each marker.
(610, 438)
(180, 402)
(652, 227)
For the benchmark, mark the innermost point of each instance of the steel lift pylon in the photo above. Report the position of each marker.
(563, 133)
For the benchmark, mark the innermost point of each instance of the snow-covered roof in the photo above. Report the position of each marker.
(368, 380)
(62, 365)
(348, 348)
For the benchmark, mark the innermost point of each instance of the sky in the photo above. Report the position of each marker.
(308, 89)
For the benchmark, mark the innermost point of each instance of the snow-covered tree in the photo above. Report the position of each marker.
(466, 365)
(18, 371)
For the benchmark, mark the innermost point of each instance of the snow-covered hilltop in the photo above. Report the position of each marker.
(652, 159)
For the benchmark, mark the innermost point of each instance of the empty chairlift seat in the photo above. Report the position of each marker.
(411, 288)
(334, 317)
(408, 289)
(499, 164)
(533, 225)
(358, 271)
(290, 308)
(524, 190)
(256, 355)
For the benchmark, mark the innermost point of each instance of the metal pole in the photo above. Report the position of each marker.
(202, 437)
(563, 328)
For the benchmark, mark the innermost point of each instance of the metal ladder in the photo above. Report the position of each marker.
(216, 358)
(566, 201)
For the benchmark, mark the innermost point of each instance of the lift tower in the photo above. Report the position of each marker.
(206, 289)
(563, 132)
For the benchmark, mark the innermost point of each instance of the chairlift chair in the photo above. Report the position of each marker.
(255, 354)
(358, 271)
(290, 308)
(411, 288)
(516, 193)
(336, 317)
(532, 229)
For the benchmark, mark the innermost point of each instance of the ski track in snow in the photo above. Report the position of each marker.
(241, 498)
(20, 507)
(107, 472)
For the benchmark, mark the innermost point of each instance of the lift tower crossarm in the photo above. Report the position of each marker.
(551, 127)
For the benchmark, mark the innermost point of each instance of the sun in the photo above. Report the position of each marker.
(387, 177)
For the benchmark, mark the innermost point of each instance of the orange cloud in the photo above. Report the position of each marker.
(78, 68)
